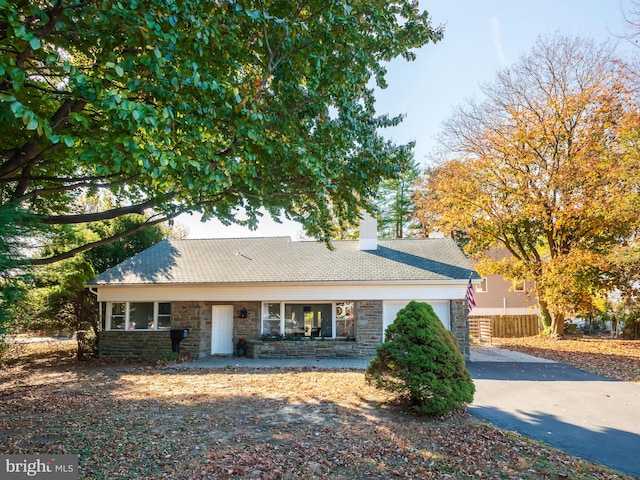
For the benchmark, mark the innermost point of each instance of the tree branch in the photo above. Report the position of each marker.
(73, 186)
(106, 215)
(71, 253)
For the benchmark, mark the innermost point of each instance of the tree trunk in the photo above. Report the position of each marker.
(557, 326)
(545, 314)
(553, 323)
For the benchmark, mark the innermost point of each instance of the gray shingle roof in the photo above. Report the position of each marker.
(279, 260)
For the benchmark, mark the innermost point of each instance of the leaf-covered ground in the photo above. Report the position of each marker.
(157, 421)
(611, 357)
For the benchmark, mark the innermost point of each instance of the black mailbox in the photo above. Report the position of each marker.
(177, 335)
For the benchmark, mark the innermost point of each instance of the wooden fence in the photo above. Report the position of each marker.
(480, 329)
(508, 326)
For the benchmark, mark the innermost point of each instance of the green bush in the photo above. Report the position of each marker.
(421, 362)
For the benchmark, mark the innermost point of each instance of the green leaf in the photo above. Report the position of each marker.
(199, 93)
(34, 43)
(17, 108)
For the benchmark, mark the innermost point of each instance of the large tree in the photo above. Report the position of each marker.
(546, 166)
(395, 200)
(57, 299)
(198, 105)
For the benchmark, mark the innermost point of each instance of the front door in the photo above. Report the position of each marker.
(222, 330)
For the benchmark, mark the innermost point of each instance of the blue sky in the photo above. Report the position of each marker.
(480, 38)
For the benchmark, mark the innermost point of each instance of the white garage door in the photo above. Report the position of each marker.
(390, 309)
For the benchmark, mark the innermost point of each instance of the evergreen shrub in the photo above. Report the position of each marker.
(420, 361)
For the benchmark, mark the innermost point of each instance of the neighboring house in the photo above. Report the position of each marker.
(497, 296)
(283, 298)
(511, 305)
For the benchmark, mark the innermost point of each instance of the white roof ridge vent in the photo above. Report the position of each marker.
(436, 235)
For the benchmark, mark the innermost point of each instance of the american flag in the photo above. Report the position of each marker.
(471, 301)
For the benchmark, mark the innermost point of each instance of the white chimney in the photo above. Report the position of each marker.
(436, 235)
(368, 232)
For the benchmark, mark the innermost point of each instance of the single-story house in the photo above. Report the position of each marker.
(276, 297)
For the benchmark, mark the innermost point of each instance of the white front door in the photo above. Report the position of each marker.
(222, 330)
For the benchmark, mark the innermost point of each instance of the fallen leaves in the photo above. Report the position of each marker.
(610, 357)
(151, 422)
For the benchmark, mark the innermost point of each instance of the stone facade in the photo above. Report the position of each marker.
(459, 315)
(196, 317)
(192, 316)
(369, 333)
(121, 345)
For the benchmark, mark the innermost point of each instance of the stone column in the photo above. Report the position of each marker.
(460, 325)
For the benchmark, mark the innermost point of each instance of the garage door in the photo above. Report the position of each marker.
(390, 309)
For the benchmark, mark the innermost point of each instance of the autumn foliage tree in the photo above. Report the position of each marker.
(546, 167)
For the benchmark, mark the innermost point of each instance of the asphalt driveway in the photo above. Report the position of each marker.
(592, 417)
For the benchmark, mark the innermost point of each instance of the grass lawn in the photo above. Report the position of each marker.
(152, 421)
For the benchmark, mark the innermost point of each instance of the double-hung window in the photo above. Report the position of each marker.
(138, 316)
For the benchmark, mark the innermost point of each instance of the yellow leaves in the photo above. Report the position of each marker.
(548, 167)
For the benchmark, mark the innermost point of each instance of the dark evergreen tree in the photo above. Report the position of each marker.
(395, 204)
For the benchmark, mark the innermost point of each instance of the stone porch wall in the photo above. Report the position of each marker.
(121, 345)
(459, 315)
(303, 349)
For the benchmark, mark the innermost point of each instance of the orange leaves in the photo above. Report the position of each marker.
(547, 169)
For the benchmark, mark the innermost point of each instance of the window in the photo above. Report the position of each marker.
(164, 315)
(482, 286)
(271, 319)
(345, 322)
(138, 316)
(518, 285)
(307, 320)
(141, 316)
(118, 315)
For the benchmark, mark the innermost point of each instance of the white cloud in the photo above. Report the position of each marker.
(497, 40)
